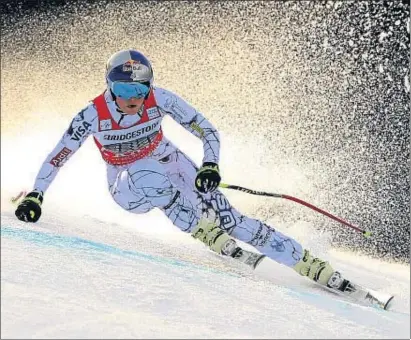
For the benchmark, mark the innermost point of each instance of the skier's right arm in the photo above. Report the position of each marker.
(83, 124)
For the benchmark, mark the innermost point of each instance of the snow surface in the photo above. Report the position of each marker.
(88, 269)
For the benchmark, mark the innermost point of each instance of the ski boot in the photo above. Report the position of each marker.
(316, 269)
(321, 272)
(220, 242)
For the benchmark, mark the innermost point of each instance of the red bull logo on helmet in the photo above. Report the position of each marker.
(136, 68)
(131, 65)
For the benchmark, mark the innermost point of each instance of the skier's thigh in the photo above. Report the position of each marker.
(143, 186)
(180, 168)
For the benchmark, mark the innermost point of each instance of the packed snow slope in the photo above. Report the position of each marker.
(90, 270)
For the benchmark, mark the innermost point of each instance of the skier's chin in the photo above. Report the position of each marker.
(131, 109)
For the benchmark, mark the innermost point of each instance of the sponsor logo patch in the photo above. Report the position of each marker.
(58, 159)
(80, 131)
(153, 113)
(131, 65)
(136, 68)
(105, 124)
(132, 135)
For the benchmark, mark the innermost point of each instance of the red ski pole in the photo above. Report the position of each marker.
(297, 200)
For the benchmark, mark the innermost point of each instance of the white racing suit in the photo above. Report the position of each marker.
(146, 171)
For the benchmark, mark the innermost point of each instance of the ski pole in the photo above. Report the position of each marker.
(16, 199)
(297, 200)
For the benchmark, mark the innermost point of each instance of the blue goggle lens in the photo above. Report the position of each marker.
(127, 90)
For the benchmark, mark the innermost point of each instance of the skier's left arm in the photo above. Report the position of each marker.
(208, 177)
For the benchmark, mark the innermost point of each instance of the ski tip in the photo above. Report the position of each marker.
(388, 303)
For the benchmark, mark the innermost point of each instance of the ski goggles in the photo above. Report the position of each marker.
(128, 90)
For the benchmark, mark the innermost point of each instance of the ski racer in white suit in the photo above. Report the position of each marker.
(145, 170)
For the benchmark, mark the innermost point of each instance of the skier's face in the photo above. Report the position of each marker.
(130, 106)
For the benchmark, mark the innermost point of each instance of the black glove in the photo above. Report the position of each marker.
(208, 178)
(29, 209)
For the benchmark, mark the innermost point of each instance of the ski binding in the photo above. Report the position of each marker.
(358, 293)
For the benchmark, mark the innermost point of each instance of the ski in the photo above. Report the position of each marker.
(249, 258)
(337, 284)
(358, 292)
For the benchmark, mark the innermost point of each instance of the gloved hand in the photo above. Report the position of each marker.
(29, 209)
(208, 178)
